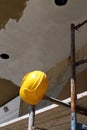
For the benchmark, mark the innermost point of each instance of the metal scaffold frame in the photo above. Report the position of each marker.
(74, 108)
(74, 64)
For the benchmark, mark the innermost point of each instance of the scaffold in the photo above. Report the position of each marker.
(74, 108)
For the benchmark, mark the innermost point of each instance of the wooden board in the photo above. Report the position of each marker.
(53, 117)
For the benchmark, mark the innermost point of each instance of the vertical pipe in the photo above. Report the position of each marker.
(73, 80)
(31, 117)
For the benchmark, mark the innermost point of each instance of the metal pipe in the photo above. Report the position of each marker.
(73, 80)
(80, 24)
(31, 117)
(79, 109)
(82, 61)
(56, 101)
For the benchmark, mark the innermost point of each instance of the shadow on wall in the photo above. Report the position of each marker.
(8, 91)
(81, 85)
(11, 9)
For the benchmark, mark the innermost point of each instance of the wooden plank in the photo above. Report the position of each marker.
(53, 117)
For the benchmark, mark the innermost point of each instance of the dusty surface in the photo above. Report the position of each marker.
(53, 119)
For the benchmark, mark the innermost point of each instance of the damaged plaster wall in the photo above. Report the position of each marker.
(8, 91)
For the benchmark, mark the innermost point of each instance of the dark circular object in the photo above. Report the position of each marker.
(60, 2)
(4, 56)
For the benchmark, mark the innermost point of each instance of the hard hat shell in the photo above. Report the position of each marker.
(33, 87)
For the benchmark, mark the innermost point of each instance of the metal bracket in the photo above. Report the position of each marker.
(82, 61)
(80, 24)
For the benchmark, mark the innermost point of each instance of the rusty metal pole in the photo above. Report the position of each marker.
(31, 117)
(73, 80)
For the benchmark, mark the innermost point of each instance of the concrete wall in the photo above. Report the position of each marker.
(59, 77)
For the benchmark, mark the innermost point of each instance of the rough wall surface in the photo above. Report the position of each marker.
(59, 77)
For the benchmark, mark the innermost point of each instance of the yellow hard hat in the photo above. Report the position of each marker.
(33, 87)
